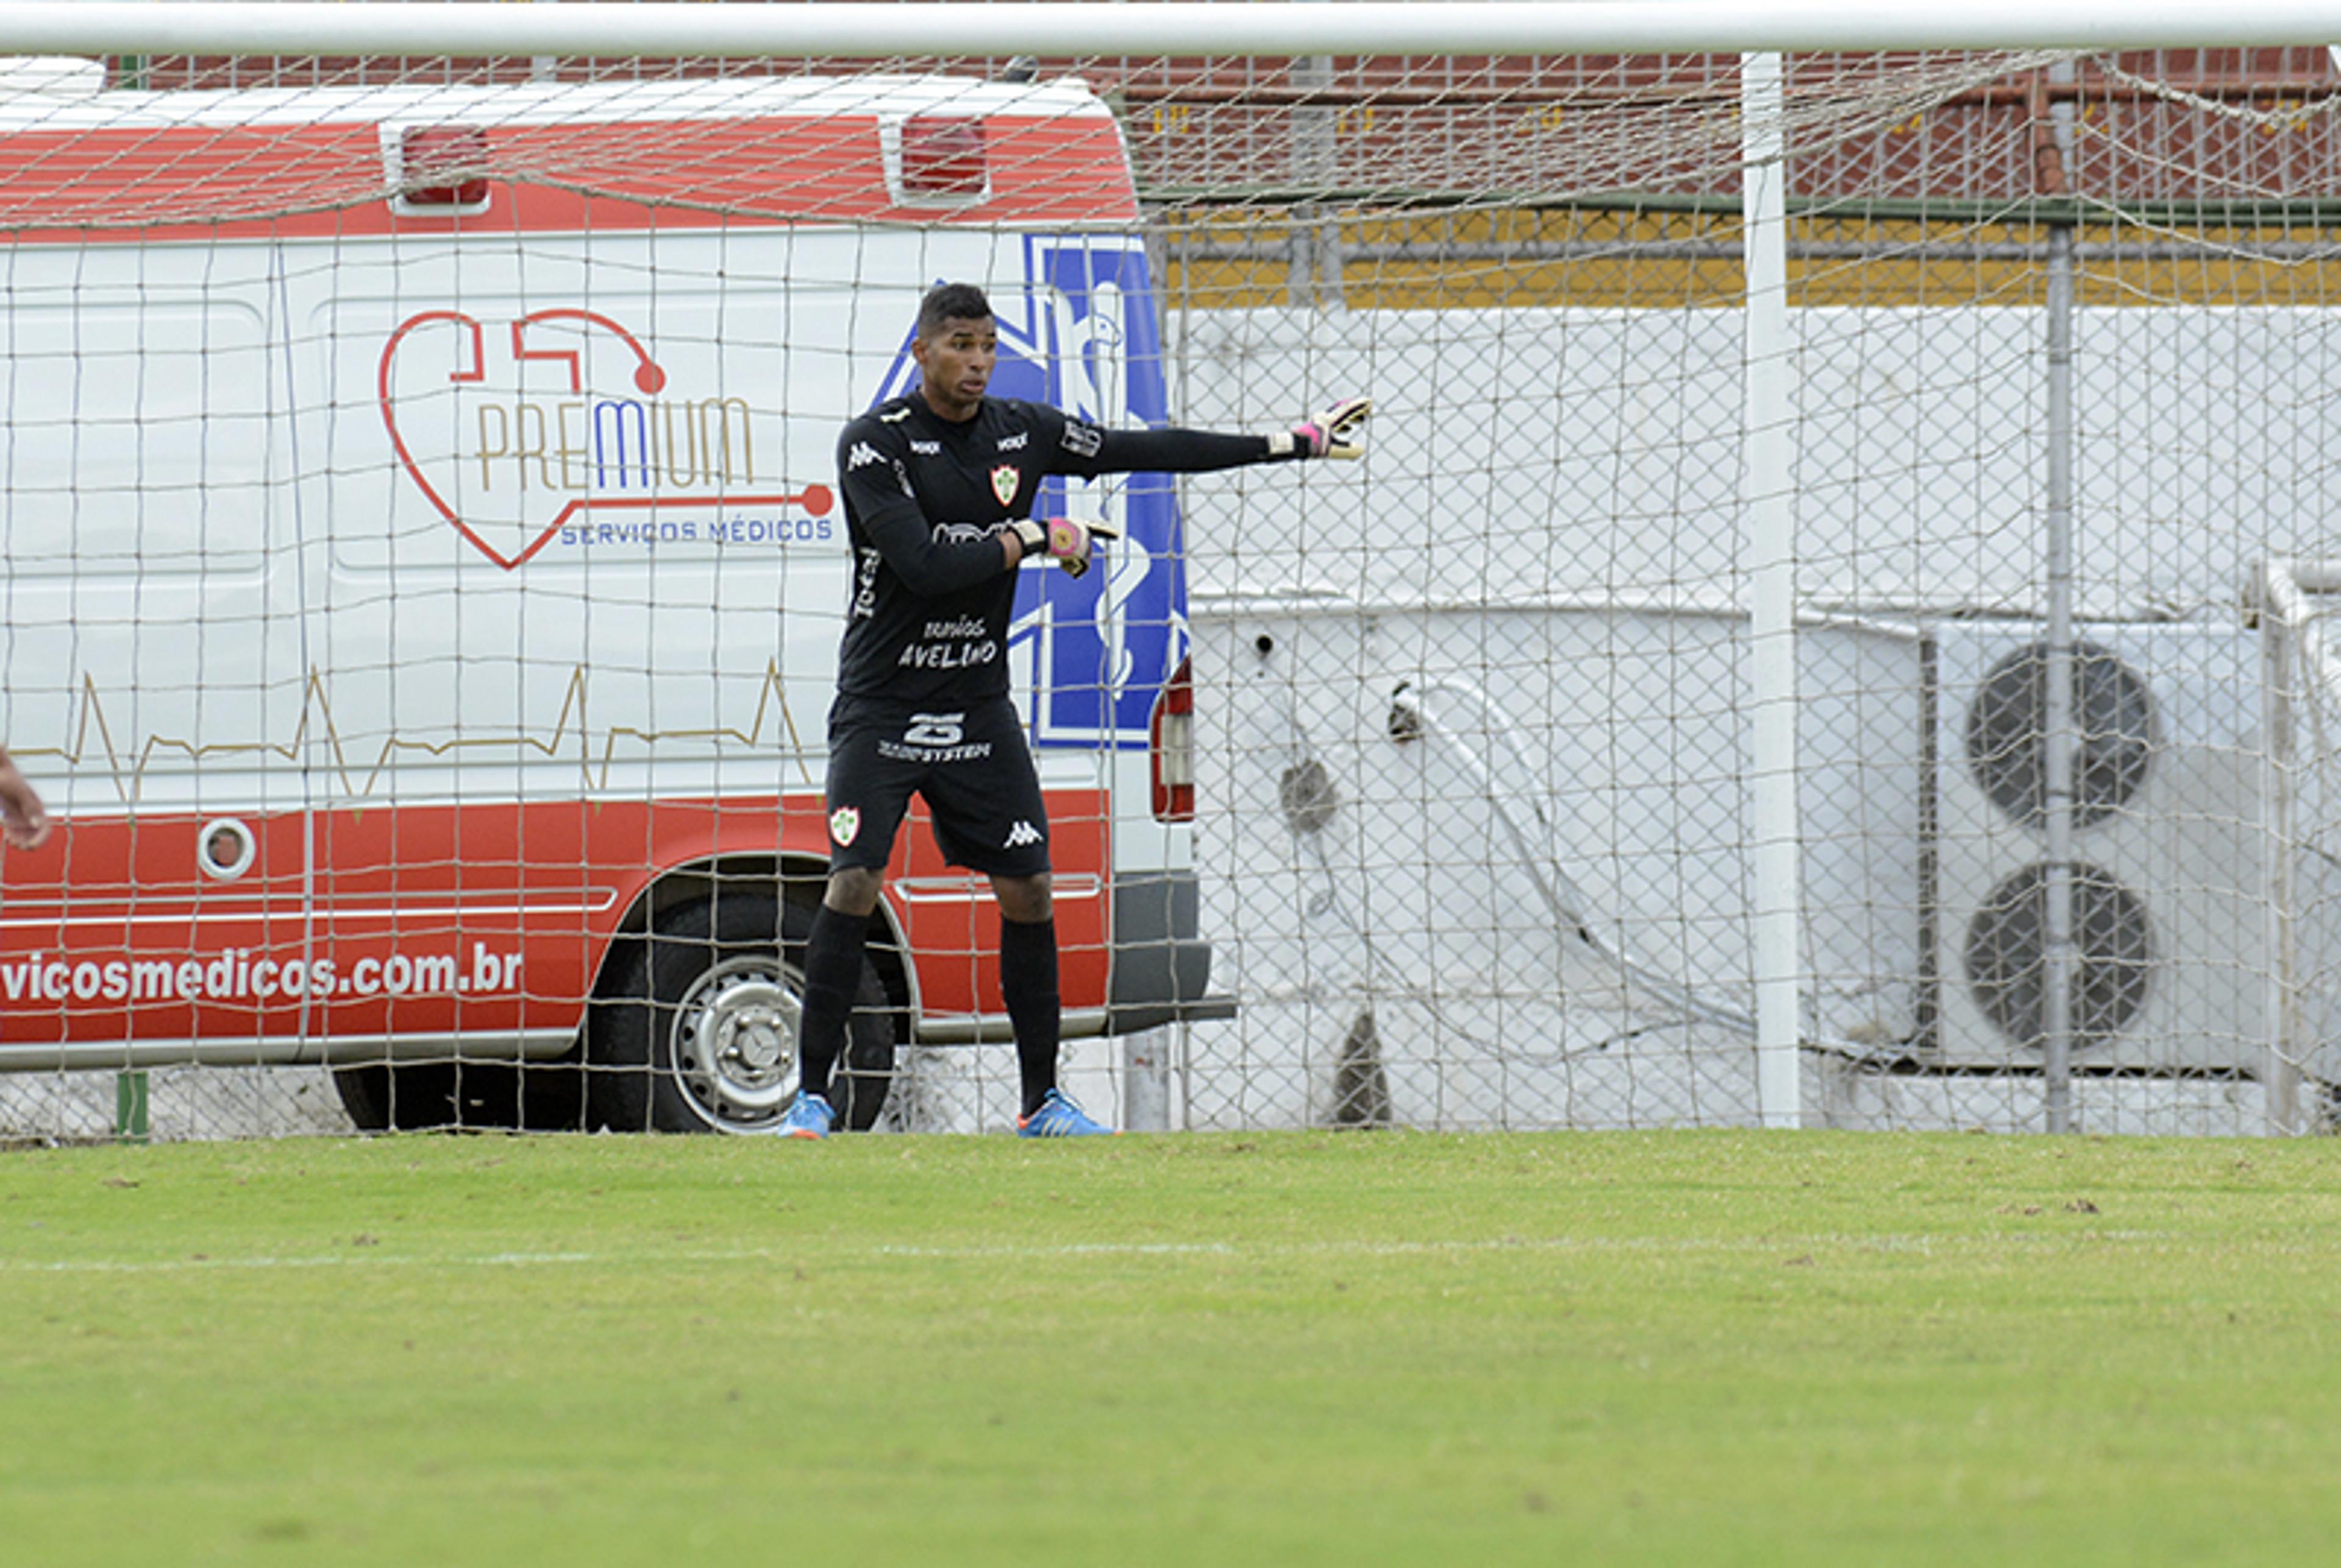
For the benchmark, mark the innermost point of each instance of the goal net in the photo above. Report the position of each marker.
(1487, 713)
(1476, 804)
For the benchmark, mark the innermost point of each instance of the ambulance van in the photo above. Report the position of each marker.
(424, 570)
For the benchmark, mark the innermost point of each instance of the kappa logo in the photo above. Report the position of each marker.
(845, 824)
(861, 456)
(1022, 833)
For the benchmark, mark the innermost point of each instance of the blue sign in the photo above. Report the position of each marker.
(1080, 335)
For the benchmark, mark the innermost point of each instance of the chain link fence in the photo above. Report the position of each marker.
(1472, 716)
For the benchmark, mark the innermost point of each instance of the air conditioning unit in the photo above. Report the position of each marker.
(2167, 868)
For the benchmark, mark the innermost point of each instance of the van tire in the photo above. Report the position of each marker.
(489, 1096)
(658, 1055)
(423, 1097)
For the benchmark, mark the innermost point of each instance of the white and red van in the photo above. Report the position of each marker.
(425, 573)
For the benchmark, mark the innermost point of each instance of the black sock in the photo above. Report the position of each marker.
(833, 972)
(1028, 985)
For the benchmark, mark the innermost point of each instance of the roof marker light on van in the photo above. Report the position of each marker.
(444, 165)
(944, 156)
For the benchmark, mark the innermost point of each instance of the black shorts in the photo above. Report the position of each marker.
(972, 767)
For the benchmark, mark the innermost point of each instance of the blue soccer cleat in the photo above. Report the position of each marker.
(1058, 1117)
(810, 1117)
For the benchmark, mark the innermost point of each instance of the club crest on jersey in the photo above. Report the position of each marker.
(1004, 480)
(844, 824)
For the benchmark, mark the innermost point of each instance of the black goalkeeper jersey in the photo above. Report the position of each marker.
(924, 500)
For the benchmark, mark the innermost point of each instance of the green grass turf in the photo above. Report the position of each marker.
(1697, 1348)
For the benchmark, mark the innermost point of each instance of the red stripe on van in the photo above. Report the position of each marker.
(467, 890)
(332, 180)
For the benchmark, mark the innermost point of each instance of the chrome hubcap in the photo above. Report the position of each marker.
(735, 1044)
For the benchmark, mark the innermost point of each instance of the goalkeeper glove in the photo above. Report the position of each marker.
(1338, 432)
(1063, 540)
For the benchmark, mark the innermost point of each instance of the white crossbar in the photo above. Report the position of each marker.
(470, 28)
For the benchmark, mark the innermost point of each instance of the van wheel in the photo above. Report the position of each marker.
(419, 1097)
(533, 1096)
(491, 1096)
(697, 1030)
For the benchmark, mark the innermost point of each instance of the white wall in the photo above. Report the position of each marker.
(1568, 452)
(1547, 513)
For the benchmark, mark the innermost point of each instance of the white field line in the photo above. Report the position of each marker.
(364, 1258)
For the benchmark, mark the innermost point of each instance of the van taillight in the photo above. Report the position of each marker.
(943, 156)
(1171, 740)
(444, 165)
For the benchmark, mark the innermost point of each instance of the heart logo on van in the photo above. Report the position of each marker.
(510, 463)
(472, 369)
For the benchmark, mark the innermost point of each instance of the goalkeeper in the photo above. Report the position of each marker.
(938, 488)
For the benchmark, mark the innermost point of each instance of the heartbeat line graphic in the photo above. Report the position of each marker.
(358, 779)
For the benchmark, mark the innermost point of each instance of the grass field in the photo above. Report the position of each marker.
(1702, 1347)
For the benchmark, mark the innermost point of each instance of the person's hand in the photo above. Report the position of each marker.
(1064, 540)
(1337, 431)
(23, 821)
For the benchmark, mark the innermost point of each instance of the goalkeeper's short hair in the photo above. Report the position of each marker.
(951, 302)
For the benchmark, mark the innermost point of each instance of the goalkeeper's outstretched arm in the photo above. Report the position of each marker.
(1337, 431)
